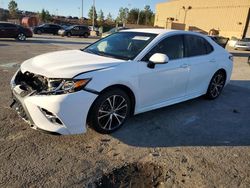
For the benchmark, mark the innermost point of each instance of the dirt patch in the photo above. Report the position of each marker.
(133, 175)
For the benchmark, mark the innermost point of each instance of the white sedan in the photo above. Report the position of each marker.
(126, 73)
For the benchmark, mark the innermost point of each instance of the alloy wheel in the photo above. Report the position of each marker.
(217, 85)
(21, 37)
(112, 112)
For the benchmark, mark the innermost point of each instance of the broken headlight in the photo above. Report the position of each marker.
(62, 86)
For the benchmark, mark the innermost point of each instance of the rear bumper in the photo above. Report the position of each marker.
(70, 110)
(242, 47)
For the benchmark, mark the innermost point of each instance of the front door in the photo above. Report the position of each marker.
(167, 81)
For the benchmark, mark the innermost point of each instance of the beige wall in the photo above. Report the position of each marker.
(224, 15)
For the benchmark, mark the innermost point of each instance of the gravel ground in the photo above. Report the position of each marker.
(198, 143)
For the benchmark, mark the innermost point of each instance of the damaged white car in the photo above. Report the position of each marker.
(126, 73)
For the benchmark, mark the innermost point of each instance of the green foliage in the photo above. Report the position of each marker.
(4, 15)
(123, 15)
(45, 16)
(90, 14)
(101, 17)
(13, 8)
(109, 17)
(146, 16)
(133, 15)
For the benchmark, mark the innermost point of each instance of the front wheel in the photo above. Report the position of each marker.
(86, 35)
(216, 85)
(68, 34)
(110, 111)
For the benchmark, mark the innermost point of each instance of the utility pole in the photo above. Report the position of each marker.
(186, 9)
(138, 19)
(82, 9)
(93, 21)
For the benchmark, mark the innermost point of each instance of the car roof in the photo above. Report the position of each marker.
(149, 30)
(163, 31)
(1, 22)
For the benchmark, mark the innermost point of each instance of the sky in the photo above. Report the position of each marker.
(72, 7)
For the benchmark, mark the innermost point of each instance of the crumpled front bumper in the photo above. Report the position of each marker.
(70, 109)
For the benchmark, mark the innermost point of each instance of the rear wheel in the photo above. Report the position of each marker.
(39, 32)
(110, 111)
(69, 34)
(21, 37)
(216, 85)
(86, 35)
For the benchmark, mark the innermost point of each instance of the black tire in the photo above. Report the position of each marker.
(68, 34)
(105, 119)
(39, 32)
(216, 85)
(21, 37)
(85, 35)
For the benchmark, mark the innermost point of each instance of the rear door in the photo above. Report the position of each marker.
(75, 31)
(2, 31)
(10, 30)
(83, 30)
(202, 61)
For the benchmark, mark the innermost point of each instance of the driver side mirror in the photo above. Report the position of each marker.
(157, 58)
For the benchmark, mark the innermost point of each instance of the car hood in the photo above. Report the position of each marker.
(67, 64)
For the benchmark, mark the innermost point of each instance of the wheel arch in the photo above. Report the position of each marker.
(223, 71)
(126, 89)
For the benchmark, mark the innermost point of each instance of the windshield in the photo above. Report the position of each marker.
(70, 27)
(121, 45)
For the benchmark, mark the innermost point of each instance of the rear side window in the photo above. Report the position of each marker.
(196, 46)
(7, 25)
(172, 46)
(83, 28)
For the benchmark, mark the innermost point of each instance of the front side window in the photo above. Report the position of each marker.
(196, 46)
(172, 46)
(121, 45)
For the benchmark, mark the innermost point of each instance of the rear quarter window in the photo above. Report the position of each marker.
(196, 46)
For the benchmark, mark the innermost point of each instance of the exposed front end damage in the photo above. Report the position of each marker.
(45, 111)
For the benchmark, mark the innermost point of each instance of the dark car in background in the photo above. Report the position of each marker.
(47, 28)
(9, 30)
(114, 30)
(75, 30)
(222, 41)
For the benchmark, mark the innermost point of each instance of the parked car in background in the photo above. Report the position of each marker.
(127, 73)
(232, 42)
(116, 29)
(222, 41)
(47, 28)
(243, 44)
(9, 30)
(75, 30)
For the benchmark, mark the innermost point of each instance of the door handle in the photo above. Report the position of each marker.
(184, 66)
(212, 61)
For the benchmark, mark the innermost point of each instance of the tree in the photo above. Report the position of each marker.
(91, 13)
(109, 17)
(45, 15)
(4, 15)
(101, 16)
(123, 15)
(13, 9)
(133, 15)
(148, 14)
